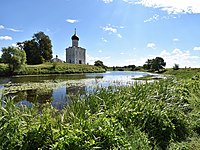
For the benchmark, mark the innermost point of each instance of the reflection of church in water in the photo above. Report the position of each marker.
(74, 53)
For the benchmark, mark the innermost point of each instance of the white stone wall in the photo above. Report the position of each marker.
(76, 55)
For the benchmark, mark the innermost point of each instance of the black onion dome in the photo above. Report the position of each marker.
(74, 37)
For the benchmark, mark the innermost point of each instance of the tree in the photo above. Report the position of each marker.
(44, 45)
(15, 57)
(176, 66)
(38, 50)
(99, 63)
(154, 64)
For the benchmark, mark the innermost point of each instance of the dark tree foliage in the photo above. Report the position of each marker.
(154, 64)
(99, 63)
(38, 50)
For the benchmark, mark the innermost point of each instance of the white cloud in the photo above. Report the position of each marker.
(5, 38)
(0, 53)
(151, 45)
(91, 59)
(113, 29)
(72, 20)
(176, 40)
(104, 40)
(119, 35)
(173, 6)
(177, 56)
(107, 1)
(121, 53)
(14, 30)
(2, 27)
(10, 29)
(100, 51)
(154, 18)
(196, 48)
(110, 29)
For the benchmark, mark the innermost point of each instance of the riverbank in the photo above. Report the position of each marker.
(155, 115)
(51, 68)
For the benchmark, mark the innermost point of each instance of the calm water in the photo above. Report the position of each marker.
(57, 89)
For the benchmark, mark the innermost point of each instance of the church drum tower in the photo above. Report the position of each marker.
(75, 54)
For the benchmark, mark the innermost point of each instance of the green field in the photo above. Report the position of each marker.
(51, 68)
(159, 115)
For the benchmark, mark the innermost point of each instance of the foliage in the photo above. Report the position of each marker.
(154, 64)
(158, 115)
(38, 50)
(15, 58)
(176, 66)
(99, 63)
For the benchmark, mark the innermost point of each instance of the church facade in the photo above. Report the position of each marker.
(74, 53)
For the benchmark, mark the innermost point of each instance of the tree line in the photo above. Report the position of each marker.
(35, 51)
(152, 65)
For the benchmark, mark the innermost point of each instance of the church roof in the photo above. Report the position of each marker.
(75, 37)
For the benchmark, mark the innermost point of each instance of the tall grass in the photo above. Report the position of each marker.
(158, 115)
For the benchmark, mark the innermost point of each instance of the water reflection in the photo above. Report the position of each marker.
(57, 89)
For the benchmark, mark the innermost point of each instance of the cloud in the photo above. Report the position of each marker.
(119, 35)
(100, 51)
(110, 29)
(113, 29)
(176, 40)
(10, 29)
(72, 20)
(177, 56)
(173, 6)
(151, 45)
(196, 48)
(154, 18)
(107, 1)
(5, 38)
(14, 30)
(91, 59)
(104, 40)
(2, 27)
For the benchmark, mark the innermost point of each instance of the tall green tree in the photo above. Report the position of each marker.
(44, 45)
(38, 50)
(15, 57)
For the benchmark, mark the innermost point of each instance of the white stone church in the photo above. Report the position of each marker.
(75, 54)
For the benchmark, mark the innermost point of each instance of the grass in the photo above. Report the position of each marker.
(183, 73)
(159, 115)
(51, 68)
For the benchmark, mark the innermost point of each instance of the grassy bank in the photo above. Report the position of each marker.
(158, 115)
(51, 68)
(183, 73)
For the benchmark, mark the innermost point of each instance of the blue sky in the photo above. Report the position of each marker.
(118, 32)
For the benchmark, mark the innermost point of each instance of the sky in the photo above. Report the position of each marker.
(117, 32)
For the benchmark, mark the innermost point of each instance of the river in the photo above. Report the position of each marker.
(57, 89)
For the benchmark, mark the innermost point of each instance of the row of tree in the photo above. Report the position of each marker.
(34, 51)
(155, 64)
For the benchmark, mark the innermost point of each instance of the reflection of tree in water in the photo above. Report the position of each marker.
(75, 90)
(33, 96)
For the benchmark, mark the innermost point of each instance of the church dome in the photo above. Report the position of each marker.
(75, 37)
